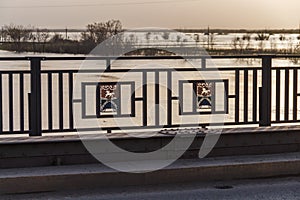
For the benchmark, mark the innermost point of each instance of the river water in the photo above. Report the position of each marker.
(220, 41)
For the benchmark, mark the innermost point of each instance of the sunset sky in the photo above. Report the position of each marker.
(153, 13)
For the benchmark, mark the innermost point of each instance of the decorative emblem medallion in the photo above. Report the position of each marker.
(205, 91)
(108, 98)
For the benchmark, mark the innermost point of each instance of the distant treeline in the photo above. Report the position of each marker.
(20, 38)
(186, 30)
(227, 31)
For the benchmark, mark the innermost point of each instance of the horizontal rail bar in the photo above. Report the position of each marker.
(15, 72)
(257, 56)
(154, 70)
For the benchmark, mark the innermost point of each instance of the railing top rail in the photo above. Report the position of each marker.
(13, 58)
(255, 56)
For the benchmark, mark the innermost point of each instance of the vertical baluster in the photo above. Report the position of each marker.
(254, 95)
(11, 102)
(145, 99)
(50, 107)
(71, 120)
(180, 98)
(21, 102)
(295, 98)
(246, 96)
(156, 98)
(119, 111)
(195, 100)
(60, 101)
(169, 109)
(213, 99)
(278, 97)
(1, 108)
(226, 90)
(133, 100)
(237, 96)
(287, 92)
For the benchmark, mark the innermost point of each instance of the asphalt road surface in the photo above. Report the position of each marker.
(281, 188)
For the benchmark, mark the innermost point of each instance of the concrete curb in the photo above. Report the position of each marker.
(59, 178)
(69, 150)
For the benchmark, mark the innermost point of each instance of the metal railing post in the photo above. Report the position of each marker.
(265, 93)
(35, 96)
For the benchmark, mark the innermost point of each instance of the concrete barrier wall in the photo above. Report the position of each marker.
(69, 150)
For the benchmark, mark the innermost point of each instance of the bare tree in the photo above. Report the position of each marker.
(166, 35)
(241, 44)
(196, 38)
(3, 35)
(42, 36)
(247, 38)
(129, 42)
(178, 38)
(262, 36)
(17, 34)
(235, 43)
(211, 42)
(273, 44)
(98, 32)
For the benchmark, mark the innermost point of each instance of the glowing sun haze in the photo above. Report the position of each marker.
(153, 13)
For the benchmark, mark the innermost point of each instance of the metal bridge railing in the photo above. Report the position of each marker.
(256, 107)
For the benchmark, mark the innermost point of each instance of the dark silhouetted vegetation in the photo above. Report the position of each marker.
(19, 38)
